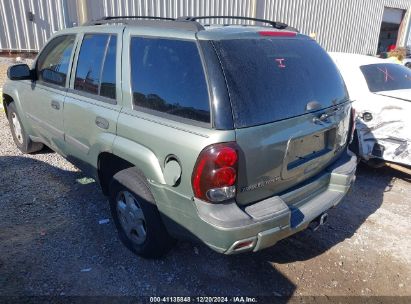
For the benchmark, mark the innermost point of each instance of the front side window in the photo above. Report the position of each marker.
(386, 77)
(53, 62)
(96, 66)
(168, 76)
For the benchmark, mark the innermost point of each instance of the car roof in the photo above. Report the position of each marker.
(180, 28)
(356, 59)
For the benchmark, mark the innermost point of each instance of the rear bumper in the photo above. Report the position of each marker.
(223, 227)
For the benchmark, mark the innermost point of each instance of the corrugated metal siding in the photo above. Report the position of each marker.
(171, 8)
(347, 26)
(19, 33)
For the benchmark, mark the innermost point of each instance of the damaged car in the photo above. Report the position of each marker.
(382, 98)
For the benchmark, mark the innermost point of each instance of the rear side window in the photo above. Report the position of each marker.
(273, 79)
(96, 67)
(53, 62)
(386, 77)
(168, 76)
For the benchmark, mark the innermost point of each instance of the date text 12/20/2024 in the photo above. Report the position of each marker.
(203, 299)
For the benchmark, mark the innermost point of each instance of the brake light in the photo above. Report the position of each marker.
(215, 173)
(277, 34)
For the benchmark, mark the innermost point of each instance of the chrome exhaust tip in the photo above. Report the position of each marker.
(323, 218)
(319, 221)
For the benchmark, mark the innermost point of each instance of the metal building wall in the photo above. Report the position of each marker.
(19, 33)
(348, 26)
(351, 26)
(171, 8)
(345, 26)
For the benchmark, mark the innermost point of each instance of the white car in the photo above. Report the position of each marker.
(382, 99)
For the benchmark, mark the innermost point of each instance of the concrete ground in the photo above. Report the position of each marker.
(51, 242)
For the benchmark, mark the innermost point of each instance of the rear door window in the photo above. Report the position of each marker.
(273, 79)
(167, 76)
(96, 66)
(386, 77)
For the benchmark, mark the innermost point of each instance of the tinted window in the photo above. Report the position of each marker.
(272, 79)
(108, 76)
(53, 62)
(386, 77)
(97, 60)
(167, 76)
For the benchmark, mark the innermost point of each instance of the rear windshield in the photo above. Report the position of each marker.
(386, 77)
(274, 79)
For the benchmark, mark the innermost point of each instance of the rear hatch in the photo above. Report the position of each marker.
(290, 107)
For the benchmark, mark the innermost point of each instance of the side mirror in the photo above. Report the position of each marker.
(19, 72)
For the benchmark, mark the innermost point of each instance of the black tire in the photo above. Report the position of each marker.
(22, 141)
(375, 163)
(354, 146)
(408, 65)
(157, 240)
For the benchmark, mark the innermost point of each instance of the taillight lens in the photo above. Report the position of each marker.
(215, 173)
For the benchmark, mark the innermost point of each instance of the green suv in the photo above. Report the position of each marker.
(233, 135)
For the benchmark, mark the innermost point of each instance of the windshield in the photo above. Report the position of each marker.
(386, 77)
(273, 79)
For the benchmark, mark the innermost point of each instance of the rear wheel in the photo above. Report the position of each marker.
(136, 216)
(20, 137)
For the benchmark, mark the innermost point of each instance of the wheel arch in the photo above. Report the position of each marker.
(11, 94)
(7, 99)
(108, 164)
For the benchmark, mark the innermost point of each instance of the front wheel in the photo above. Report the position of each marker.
(20, 137)
(136, 216)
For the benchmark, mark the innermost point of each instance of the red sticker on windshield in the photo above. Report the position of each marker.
(280, 62)
(387, 75)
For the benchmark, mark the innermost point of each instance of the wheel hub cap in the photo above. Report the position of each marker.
(131, 217)
(17, 128)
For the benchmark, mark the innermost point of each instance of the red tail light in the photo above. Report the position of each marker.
(277, 34)
(215, 173)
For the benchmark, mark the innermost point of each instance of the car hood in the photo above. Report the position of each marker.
(399, 94)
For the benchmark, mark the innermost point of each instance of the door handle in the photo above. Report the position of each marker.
(55, 105)
(102, 123)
